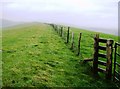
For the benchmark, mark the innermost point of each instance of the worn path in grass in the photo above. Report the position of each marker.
(35, 56)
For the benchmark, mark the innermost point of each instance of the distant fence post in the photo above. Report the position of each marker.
(79, 44)
(109, 49)
(53, 26)
(57, 29)
(72, 44)
(64, 34)
(61, 31)
(68, 35)
(95, 59)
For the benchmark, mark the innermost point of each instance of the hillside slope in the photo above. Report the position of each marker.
(8, 23)
(35, 56)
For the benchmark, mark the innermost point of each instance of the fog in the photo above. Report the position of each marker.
(97, 15)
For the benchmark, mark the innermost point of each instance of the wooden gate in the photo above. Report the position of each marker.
(116, 75)
(108, 56)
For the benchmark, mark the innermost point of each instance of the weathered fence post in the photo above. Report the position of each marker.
(114, 61)
(52, 25)
(64, 34)
(79, 44)
(109, 50)
(61, 31)
(95, 58)
(58, 29)
(55, 27)
(72, 44)
(68, 35)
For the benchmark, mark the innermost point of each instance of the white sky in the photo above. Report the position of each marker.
(89, 13)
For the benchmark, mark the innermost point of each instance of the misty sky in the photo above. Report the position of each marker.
(86, 13)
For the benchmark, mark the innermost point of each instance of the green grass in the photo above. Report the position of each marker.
(36, 56)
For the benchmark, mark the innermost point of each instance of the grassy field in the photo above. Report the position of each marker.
(36, 56)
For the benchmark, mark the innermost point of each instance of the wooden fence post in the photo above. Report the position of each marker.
(109, 50)
(61, 31)
(79, 44)
(72, 44)
(58, 29)
(114, 61)
(64, 34)
(68, 35)
(54, 27)
(95, 59)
